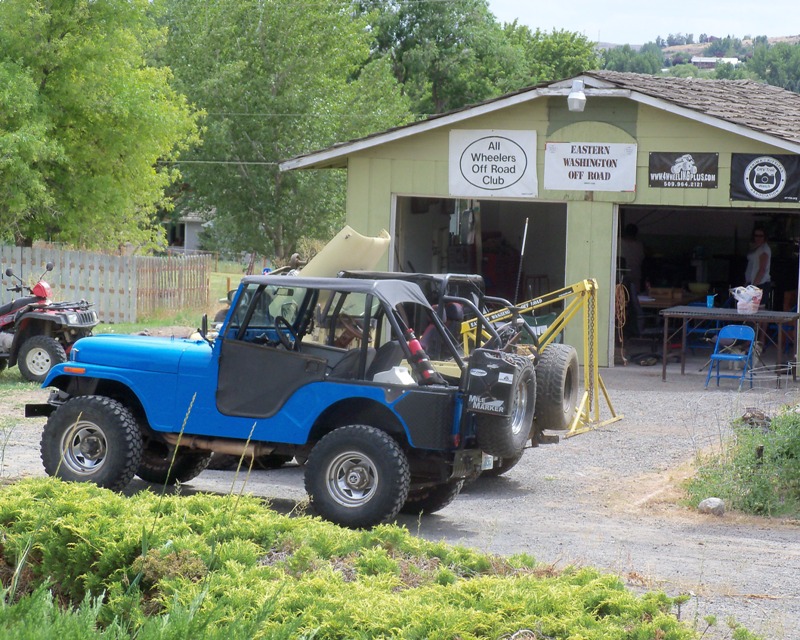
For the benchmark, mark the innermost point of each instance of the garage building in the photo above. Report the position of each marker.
(694, 163)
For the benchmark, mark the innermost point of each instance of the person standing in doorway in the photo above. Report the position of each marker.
(631, 250)
(759, 261)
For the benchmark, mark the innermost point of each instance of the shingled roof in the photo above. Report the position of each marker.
(756, 110)
(757, 106)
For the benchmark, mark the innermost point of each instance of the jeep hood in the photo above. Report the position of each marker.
(140, 353)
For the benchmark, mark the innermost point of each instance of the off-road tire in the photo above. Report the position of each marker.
(357, 476)
(37, 355)
(157, 459)
(505, 436)
(505, 465)
(558, 378)
(431, 499)
(92, 439)
(228, 462)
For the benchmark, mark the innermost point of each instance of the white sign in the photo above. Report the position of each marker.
(589, 166)
(493, 164)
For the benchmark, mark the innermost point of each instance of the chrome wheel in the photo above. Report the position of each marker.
(352, 479)
(519, 412)
(84, 448)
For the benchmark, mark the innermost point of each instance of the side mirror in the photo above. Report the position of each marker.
(204, 328)
(10, 272)
(231, 293)
(49, 266)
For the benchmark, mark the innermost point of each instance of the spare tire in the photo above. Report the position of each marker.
(505, 436)
(557, 372)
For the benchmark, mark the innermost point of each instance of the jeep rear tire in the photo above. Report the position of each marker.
(357, 476)
(157, 459)
(37, 355)
(505, 436)
(432, 499)
(557, 372)
(92, 439)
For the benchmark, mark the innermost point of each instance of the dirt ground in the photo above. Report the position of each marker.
(608, 498)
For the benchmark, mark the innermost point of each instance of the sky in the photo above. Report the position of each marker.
(638, 21)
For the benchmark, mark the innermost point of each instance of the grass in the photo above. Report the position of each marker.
(76, 559)
(757, 471)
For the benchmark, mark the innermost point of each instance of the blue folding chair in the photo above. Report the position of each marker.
(740, 336)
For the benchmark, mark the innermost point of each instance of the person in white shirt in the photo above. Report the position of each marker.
(759, 260)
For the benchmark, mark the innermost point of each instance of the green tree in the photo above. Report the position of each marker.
(83, 122)
(276, 78)
(24, 144)
(728, 47)
(649, 59)
(685, 71)
(727, 71)
(445, 54)
(777, 64)
(550, 56)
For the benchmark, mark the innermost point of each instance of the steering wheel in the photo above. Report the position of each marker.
(351, 329)
(282, 323)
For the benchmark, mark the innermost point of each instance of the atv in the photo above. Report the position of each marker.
(36, 333)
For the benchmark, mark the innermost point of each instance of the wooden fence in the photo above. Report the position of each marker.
(122, 288)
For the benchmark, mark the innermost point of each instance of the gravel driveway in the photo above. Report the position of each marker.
(607, 498)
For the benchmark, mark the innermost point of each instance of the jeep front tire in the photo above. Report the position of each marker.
(92, 439)
(357, 476)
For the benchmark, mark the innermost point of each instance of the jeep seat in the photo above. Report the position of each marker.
(390, 354)
(347, 367)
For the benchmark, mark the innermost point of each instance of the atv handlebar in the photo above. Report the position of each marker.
(18, 289)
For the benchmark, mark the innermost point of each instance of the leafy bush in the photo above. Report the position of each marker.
(75, 557)
(758, 472)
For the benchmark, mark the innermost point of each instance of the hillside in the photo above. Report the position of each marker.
(697, 48)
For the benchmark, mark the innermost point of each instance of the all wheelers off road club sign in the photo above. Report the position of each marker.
(493, 164)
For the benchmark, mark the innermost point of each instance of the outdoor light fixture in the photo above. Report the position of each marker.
(576, 100)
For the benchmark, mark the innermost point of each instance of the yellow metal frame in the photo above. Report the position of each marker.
(581, 296)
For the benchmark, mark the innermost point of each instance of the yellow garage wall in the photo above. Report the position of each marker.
(661, 131)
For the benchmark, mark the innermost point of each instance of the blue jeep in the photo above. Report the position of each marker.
(294, 372)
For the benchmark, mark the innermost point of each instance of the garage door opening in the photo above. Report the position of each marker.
(449, 235)
(707, 245)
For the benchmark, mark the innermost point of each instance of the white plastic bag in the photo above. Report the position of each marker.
(748, 298)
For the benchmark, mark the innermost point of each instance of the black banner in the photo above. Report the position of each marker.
(765, 178)
(683, 170)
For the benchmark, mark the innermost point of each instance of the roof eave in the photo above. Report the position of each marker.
(337, 157)
(716, 122)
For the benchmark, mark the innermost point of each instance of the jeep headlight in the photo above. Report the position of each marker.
(72, 318)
